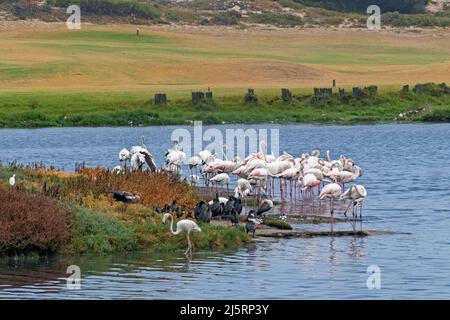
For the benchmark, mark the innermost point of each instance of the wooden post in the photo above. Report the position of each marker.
(198, 97)
(357, 93)
(286, 95)
(251, 96)
(334, 83)
(160, 99)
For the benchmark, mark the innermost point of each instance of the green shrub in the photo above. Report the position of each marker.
(97, 233)
(281, 20)
(112, 7)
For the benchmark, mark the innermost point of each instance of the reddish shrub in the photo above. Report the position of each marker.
(30, 222)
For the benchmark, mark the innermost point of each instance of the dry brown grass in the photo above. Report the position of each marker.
(155, 189)
(225, 58)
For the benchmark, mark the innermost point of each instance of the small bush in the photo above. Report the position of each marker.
(112, 7)
(30, 222)
(281, 20)
(277, 223)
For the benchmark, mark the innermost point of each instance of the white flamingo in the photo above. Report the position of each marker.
(194, 162)
(221, 179)
(291, 174)
(332, 191)
(357, 194)
(193, 179)
(184, 225)
(308, 182)
(124, 156)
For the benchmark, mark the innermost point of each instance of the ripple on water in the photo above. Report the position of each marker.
(405, 195)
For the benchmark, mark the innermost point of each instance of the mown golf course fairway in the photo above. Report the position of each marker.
(46, 66)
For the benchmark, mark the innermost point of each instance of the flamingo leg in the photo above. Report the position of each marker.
(290, 189)
(189, 248)
(348, 207)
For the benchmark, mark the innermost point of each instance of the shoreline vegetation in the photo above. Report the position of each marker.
(50, 211)
(280, 13)
(96, 109)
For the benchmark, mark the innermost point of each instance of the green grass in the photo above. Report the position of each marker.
(93, 232)
(18, 72)
(277, 223)
(30, 110)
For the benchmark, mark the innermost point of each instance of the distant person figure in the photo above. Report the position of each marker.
(137, 32)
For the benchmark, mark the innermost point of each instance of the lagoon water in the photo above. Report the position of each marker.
(405, 173)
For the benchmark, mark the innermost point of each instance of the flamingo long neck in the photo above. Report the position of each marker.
(171, 227)
(225, 154)
(261, 149)
(356, 173)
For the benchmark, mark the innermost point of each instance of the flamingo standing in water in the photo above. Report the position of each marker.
(332, 191)
(291, 174)
(259, 176)
(308, 182)
(357, 194)
(184, 225)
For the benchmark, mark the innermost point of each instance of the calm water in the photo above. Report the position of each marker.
(405, 174)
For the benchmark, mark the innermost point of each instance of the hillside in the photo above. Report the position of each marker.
(243, 13)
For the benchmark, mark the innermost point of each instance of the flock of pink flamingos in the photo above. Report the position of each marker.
(259, 173)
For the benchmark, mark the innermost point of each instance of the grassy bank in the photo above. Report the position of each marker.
(18, 110)
(50, 211)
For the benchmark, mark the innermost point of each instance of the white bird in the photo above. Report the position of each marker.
(308, 182)
(117, 169)
(194, 162)
(193, 179)
(243, 185)
(184, 225)
(266, 205)
(144, 157)
(204, 155)
(221, 179)
(124, 156)
(222, 200)
(137, 161)
(12, 180)
(332, 191)
(174, 159)
(357, 194)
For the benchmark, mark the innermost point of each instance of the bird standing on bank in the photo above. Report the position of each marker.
(184, 225)
(12, 180)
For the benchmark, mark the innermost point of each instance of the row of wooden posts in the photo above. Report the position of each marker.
(287, 96)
